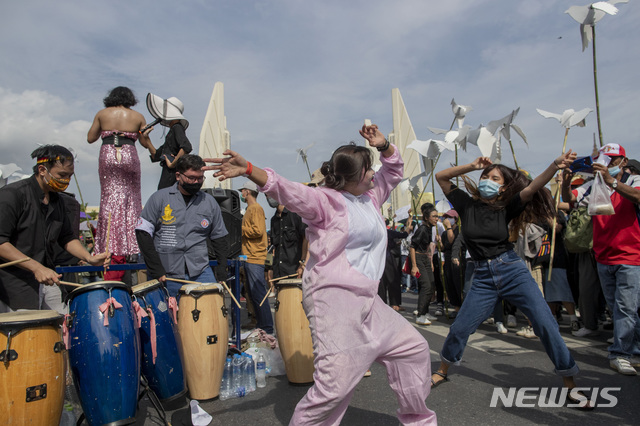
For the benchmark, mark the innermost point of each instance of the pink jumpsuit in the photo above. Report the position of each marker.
(351, 326)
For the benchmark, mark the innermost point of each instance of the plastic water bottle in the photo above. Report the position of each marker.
(238, 383)
(261, 371)
(68, 417)
(249, 373)
(225, 386)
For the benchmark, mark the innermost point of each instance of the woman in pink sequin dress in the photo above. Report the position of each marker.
(119, 167)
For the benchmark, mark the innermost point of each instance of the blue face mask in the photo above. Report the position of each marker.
(614, 171)
(488, 188)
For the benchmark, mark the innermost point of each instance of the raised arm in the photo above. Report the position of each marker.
(445, 176)
(562, 162)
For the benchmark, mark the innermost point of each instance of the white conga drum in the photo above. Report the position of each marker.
(204, 331)
(293, 332)
(32, 378)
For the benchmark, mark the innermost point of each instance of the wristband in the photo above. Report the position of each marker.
(249, 170)
(384, 147)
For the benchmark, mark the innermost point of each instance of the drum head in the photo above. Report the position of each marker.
(104, 285)
(143, 287)
(284, 283)
(201, 289)
(14, 321)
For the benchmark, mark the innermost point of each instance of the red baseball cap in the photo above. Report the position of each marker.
(613, 150)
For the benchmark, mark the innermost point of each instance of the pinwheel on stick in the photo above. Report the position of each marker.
(504, 125)
(302, 153)
(587, 16)
(567, 119)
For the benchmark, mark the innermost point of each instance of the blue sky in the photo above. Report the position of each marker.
(297, 72)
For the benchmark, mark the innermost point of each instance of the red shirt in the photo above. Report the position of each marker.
(616, 238)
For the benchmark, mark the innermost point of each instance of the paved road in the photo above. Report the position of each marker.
(491, 360)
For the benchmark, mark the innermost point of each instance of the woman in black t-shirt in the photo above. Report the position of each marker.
(498, 198)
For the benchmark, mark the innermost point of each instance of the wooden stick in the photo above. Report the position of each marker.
(14, 262)
(106, 246)
(195, 282)
(555, 212)
(282, 278)
(268, 292)
(69, 284)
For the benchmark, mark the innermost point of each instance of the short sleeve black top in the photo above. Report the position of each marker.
(35, 229)
(485, 230)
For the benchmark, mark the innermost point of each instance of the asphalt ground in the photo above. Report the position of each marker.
(491, 360)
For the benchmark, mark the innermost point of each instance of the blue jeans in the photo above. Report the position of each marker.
(621, 288)
(258, 289)
(205, 277)
(507, 277)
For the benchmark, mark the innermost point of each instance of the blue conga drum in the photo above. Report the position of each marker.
(164, 374)
(104, 352)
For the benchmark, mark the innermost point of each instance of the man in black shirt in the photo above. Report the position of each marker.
(32, 219)
(289, 242)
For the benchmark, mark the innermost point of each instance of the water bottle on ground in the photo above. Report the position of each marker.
(261, 371)
(238, 382)
(249, 373)
(227, 377)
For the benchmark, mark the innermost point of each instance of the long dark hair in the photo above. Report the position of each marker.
(347, 164)
(120, 96)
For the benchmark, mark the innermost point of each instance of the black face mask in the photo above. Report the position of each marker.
(191, 188)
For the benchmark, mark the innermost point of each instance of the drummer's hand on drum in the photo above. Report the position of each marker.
(163, 279)
(99, 259)
(46, 276)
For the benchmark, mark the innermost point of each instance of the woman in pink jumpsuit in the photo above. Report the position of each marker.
(351, 326)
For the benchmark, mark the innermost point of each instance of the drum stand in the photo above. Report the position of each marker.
(153, 398)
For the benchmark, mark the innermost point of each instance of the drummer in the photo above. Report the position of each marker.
(174, 227)
(33, 217)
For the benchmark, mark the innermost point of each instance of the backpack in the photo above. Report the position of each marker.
(578, 237)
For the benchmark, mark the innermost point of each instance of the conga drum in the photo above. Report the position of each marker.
(293, 332)
(165, 375)
(204, 331)
(104, 352)
(32, 378)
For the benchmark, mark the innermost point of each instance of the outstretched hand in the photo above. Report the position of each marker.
(565, 160)
(227, 167)
(373, 135)
(480, 163)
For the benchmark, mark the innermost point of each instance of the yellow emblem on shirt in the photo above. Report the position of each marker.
(167, 218)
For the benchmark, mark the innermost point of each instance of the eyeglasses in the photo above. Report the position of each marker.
(193, 179)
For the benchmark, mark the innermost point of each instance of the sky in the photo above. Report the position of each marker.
(299, 72)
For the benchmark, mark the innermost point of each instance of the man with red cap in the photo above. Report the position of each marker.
(617, 252)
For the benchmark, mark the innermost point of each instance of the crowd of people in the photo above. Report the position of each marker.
(497, 250)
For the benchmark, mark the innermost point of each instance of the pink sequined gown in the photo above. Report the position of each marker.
(120, 196)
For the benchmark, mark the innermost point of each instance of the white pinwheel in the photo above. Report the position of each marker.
(488, 144)
(302, 153)
(589, 14)
(430, 148)
(504, 126)
(457, 137)
(460, 111)
(569, 117)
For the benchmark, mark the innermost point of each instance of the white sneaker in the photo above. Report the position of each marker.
(415, 312)
(500, 328)
(489, 321)
(584, 332)
(511, 321)
(623, 366)
(430, 317)
(526, 332)
(422, 320)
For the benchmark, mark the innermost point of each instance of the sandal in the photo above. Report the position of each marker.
(581, 403)
(439, 382)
